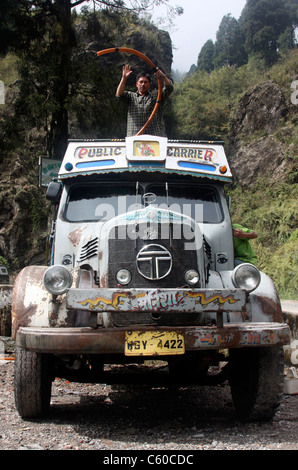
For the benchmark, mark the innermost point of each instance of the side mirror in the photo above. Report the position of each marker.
(54, 191)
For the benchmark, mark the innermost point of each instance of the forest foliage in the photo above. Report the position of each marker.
(57, 88)
(265, 29)
(204, 102)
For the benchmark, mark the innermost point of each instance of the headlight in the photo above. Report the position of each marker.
(57, 279)
(246, 276)
(192, 277)
(123, 276)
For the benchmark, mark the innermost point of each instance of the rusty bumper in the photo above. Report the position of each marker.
(156, 300)
(112, 340)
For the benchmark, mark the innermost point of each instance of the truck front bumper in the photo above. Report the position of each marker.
(112, 340)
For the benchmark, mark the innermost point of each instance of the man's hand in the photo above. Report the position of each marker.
(126, 71)
(164, 78)
(238, 233)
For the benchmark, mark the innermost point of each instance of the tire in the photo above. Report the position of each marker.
(32, 383)
(256, 381)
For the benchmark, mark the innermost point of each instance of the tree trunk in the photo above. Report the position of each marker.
(64, 41)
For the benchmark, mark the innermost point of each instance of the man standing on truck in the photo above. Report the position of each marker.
(141, 103)
(243, 251)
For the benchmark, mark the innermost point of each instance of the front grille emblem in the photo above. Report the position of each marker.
(154, 262)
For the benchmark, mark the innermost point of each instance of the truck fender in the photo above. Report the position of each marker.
(29, 299)
(265, 301)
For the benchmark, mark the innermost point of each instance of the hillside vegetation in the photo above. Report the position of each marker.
(271, 210)
(248, 106)
(204, 103)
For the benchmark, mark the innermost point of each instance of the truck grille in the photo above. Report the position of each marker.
(154, 261)
(157, 261)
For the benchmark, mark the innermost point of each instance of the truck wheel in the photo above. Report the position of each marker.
(32, 383)
(256, 381)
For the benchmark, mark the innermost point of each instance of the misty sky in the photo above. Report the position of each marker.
(199, 22)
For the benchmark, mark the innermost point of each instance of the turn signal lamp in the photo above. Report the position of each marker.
(192, 277)
(123, 277)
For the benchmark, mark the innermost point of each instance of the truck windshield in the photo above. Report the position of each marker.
(101, 202)
(201, 203)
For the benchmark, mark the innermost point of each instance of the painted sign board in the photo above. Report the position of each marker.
(146, 153)
(48, 170)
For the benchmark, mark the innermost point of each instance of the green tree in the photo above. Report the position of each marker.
(286, 40)
(206, 57)
(263, 22)
(229, 46)
(292, 8)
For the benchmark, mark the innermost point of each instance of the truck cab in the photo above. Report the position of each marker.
(142, 268)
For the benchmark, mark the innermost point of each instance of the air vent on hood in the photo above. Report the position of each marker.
(89, 250)
(207, 249)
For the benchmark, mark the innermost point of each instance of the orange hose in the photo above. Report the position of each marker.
(142, 56)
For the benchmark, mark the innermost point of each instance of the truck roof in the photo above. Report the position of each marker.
(202, 159)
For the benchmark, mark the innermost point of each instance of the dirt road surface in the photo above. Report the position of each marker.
(110, 419)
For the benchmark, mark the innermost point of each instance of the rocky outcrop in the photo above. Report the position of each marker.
(23, 208)
(23, 231)
(261, 132)
(259, 110)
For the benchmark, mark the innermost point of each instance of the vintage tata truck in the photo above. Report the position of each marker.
(142, 272)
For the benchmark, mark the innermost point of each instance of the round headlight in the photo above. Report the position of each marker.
(246, 276)
(57, 279)
(192, 277)
(123, 277)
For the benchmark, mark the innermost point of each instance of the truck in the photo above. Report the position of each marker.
(142, 286)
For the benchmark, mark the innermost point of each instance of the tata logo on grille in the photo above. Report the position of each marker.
(154, 262)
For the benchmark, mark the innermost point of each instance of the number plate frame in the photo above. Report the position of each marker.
(154, 343)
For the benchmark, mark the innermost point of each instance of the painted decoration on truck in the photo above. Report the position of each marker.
(82, 153)
(205, 154)
(154, 300)
(146, 149)
(146, 153)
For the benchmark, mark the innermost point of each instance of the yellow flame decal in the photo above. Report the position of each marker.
(100, 302)
(215, 298)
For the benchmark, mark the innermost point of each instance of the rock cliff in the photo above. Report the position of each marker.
(262, 135)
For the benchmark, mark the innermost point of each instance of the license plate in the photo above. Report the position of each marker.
(153, 343)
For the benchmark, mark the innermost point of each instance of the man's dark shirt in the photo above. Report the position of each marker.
(140, 109)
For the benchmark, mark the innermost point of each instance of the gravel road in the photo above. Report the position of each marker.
(106, 418)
